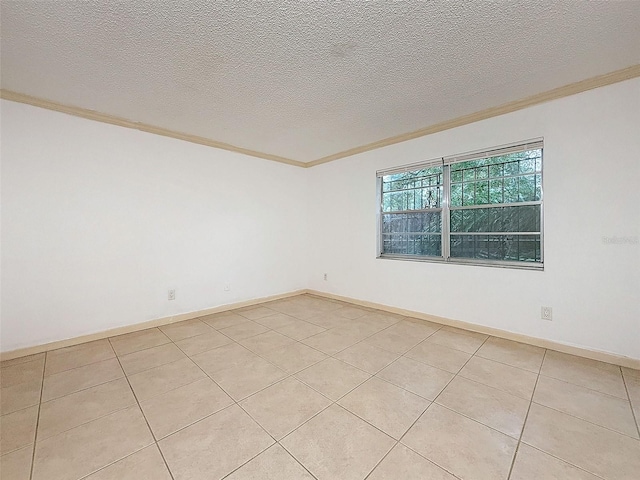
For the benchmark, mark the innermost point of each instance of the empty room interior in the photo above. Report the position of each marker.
(297, 240)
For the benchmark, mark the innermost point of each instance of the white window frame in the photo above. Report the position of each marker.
(446, 208)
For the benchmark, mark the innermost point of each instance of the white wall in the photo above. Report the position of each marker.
(592, 190)
(98, 222)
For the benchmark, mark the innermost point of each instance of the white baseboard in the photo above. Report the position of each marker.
(158, 322)
(517, 337)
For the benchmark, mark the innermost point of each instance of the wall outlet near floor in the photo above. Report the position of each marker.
(227, 287)
(546, 313)
(325, 277)
(172, 295)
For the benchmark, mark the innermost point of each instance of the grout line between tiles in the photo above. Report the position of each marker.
(289, 375)
(155, 440)
(524, 424)
(633, 413)
(140, 350)
(586, 420)
(564, 461)
(35, 436)
(585, 387)
(406, 446)
(432, 402)
(115, 461)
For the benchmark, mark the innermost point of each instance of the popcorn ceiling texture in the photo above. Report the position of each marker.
(304, 79)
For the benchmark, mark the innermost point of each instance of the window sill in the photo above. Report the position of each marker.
(468, 262)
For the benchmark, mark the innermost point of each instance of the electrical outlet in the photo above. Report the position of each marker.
(172, 295)
(546, 313)
(227, 287)
(325, 277)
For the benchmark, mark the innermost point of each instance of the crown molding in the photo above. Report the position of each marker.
(554, 94)
(143, 127)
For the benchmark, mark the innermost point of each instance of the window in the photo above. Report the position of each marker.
(479, 208)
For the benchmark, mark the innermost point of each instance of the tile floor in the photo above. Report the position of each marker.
(306, 388)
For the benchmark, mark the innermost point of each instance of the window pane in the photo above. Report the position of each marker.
(407, 244)
(523, 248)
(487, 217)
(417, 190)
(511, 178)
(416, 222)
(525, 218)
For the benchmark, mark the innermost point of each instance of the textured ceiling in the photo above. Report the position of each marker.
(303, 79)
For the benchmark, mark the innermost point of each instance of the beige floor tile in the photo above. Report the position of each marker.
(393, 341)
(534, 464)
(188, 328)
(462, 331)
(295, 357)
(89, 447)
(223, 320)
(146, 464)
(65, 413)
(631, 373)
(351, 312)
(164, 378)
(273, 464)
(415, 327)
(332, 377)
(248, 378)
(385, 406)
(322, 303)
(380, 319)
(331, 341)
(604, 410)
(632, 380)
(244, 330)
(202, 343)
(444, 358)
(490, 406)
(78, 356)
(515, 354)
(183, 406)
(133, 342)
(151, 357)
(300, 311)
(460, 445)
(457, 341)
(224, 357)
(19, 396)
(402, 463)
(583, 444)
(300, 329)
(355, 331)
(18, 429)
(510, 379)
(367, 357)
(77, 379)
(23, 359)
(276, 320)
(416, 377)
(337, 444)
(283, 407)
(22, 372)
(266, 341)
(17, 465)
(600, 376)
(215, 446)
(328, 320)
(255, 312)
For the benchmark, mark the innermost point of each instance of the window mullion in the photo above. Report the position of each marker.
(446, 195)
